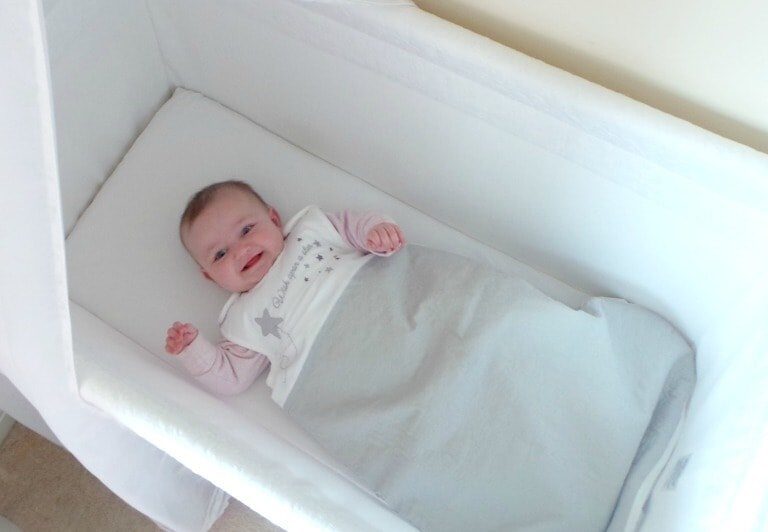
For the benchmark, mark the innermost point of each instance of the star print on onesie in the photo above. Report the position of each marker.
(269, 324)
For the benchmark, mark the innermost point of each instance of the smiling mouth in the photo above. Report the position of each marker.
(251, 262)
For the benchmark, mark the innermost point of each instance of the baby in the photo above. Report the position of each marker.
(463, 397)
(236, 238)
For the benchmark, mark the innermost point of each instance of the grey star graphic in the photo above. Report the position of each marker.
(316, 243)
(269, 324)
(319, 257)
(329, 269)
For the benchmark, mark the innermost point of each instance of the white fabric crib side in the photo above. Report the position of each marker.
(36, 352)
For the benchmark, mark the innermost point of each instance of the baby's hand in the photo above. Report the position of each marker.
(384, 237)
(180, 335)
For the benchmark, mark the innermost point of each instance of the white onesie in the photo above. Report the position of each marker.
(281, 316)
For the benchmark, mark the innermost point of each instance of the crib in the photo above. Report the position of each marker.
(118, 111)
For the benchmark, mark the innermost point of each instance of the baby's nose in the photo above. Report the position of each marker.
(243, 251)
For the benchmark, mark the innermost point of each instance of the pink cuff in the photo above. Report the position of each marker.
(199, 356)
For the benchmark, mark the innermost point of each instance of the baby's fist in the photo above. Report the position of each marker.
(384, 237)
(179, 336)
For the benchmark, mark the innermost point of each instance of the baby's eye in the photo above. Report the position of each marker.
(246, 230)
(219, 255)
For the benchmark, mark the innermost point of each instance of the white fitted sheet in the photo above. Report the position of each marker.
(128, 271)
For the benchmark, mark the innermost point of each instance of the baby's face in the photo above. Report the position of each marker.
(235, 240)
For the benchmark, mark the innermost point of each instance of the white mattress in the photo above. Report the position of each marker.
(128, 272)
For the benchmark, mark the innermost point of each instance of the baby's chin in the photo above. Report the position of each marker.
(247, 287)
(240, 287)
(248, 284)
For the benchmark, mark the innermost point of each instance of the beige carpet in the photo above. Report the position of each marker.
(43, 488)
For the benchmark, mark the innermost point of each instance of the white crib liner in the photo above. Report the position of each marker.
(129, 278)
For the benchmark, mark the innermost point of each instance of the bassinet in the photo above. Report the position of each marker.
(471, 146)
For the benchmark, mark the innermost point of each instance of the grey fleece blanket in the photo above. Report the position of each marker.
(468, 400)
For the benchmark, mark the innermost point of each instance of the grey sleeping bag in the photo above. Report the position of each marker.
(468, 400)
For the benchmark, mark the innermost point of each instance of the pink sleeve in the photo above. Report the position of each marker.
(226, 368)
(354, 227)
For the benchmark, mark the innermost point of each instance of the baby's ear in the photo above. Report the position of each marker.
(275, 217)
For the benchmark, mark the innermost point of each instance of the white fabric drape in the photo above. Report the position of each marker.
(35, 331)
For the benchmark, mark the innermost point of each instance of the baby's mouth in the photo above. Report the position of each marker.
(252, 261)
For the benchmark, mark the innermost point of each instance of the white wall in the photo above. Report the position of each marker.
(705, 62)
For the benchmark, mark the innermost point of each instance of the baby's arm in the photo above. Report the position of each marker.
(226, 368)
(368, 232)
